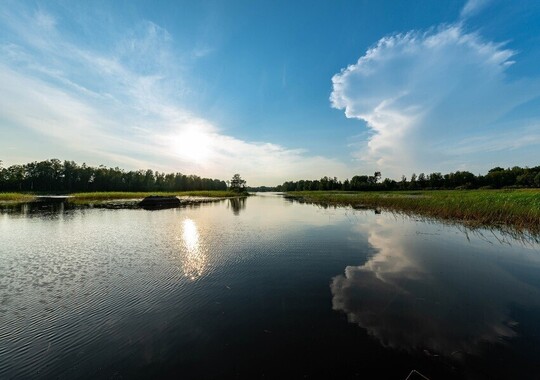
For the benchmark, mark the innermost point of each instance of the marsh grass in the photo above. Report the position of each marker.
(16, 197)
(104, 195)
(82, 198)
(517, 209)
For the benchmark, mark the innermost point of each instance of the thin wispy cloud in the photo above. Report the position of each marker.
(123, 105)
(423, 94)
(44, 20)
(472, 7)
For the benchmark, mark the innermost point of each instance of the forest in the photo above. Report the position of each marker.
(56, 176)
(495, 178)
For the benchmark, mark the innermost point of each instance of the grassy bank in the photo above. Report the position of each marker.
(16, 197)
(107, 196)
(517, 209)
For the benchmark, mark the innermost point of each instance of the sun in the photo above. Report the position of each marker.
(192, 146)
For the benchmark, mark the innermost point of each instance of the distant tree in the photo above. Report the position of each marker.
(413, 181)
(403, 182)
(435, 180)
(389, 184)
(537, 180)
(358, 182)
(372, 180)
(421, 180)
(526, 179)
(237, 184)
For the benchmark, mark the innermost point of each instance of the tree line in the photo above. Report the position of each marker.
(496, 178)
(68, 176)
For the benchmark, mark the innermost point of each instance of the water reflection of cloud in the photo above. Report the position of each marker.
(438, 295)
(194, 257)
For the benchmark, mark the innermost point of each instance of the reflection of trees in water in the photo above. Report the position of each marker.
(237, 204)
(35, 208)
(424, 295)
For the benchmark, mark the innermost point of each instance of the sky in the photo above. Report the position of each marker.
(273, 90)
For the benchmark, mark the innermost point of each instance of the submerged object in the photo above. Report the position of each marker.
(159, 202)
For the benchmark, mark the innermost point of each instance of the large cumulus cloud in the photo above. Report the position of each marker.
(424, 95)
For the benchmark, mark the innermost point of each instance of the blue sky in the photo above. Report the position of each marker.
(274, 90)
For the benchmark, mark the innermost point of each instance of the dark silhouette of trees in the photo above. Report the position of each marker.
(496, 178)
(56, 176)
(421, 180)
(67, 176)
(403, 183)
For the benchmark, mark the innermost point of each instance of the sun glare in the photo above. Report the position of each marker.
(194, 260)
(192, 145)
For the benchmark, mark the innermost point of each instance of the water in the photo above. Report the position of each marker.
(262, 288)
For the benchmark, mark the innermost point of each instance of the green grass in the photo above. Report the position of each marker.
(112, 195)
(16, 197)
(517, 209)
(82, 198)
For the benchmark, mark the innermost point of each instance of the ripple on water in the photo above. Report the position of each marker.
(61, 286)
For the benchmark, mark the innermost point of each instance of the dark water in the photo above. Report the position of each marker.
(262, 288)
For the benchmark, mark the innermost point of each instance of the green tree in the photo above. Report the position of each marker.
(422, 182)
(412, 182)
(403, 182)
(237, 184)
(537, 180)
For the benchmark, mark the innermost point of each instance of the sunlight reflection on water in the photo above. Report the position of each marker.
(194, 255)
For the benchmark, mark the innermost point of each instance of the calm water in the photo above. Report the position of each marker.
(262, 288)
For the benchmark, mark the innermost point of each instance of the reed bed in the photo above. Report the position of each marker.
(16, 197)
(104, 195)
(516, 209)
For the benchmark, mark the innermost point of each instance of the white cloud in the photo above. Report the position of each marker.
(44, 20)
(123, 106)
(422, 94)
(472, 7)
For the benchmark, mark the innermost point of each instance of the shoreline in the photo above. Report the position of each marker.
(104, 197)
(517, 210)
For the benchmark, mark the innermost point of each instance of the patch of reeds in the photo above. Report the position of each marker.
(114, 195)
(100, 196)
(16, 197)
(518, 209)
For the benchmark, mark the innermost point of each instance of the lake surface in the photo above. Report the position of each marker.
(262, 288)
